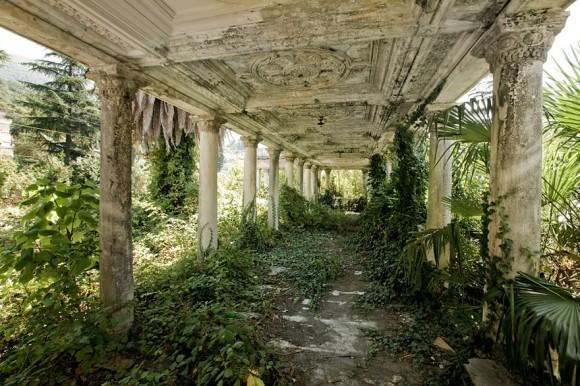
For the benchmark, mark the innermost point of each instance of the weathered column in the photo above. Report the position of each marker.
(117, 90)
(440, 182)
(314, 182)
(249, 195)
(258, 179)
(289, 169)
(300, 175)
(516, 53)
(307, 180)
(208, 168)
(274, 194)
(327, 172)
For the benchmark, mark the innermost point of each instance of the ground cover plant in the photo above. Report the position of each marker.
(303, 263)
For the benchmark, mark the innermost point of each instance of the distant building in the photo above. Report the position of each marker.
(6, 148)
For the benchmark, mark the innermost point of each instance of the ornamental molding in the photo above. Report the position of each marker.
(302, 68)
(126, 24)
(521, 37)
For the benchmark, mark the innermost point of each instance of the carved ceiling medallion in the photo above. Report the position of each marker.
(302, 68)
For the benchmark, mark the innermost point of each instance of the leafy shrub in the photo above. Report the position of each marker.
(296, 211)
(58, 243)
(395, 212)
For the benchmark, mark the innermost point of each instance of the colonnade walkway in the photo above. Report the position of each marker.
(321, 331)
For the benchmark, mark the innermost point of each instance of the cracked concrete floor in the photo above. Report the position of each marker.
(328, 346)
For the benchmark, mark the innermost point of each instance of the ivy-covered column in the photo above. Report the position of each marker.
(274, 196)
(440, 182)
(289, 169)
(250, 174)
(208, 167)
(117, 88)
(314, 182)
(300, 175)
(307, 180)
(516, 51)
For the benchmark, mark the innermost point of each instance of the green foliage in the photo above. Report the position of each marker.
(296, 211)
(330, 197)
(254, 234)
(309, 264)
(469, 125)
(540, 317)
(173, 184)
(58, 241)
(62, 113)
(377, 172)
(395, 212)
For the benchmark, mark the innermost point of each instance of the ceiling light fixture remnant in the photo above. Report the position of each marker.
(321, 121)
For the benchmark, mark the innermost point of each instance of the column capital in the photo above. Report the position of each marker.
(521, 37)
(289, 157)
(274, 152)
(251, 141)
(300, 162)
(209, 122)
(314, 167)
(307, 165)
(113, 80)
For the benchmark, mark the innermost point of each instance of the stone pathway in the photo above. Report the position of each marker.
(329, 346)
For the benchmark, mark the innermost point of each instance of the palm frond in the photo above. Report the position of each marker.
(464, 207)
(469, 125)
(436, 241)
(562, 99)
(543, 316)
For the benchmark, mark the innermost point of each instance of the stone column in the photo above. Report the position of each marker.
(440, 182)
(274, 196)
(327, 176)
(258, 179)
(208, 168)
(516, 53)
(300, 175)
(117, 88)
(249, 195)
(289, 169)
(306, 189)
(314, 182)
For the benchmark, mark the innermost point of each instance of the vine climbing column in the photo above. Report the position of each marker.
(289, 169)
(250, 173)
(439, 214)
(516, 50)
(208, 164)
(117, 88)
(274, 197)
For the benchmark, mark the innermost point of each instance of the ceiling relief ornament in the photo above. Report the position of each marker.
(302, 68)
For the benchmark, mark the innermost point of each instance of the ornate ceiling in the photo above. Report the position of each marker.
(324, 79)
